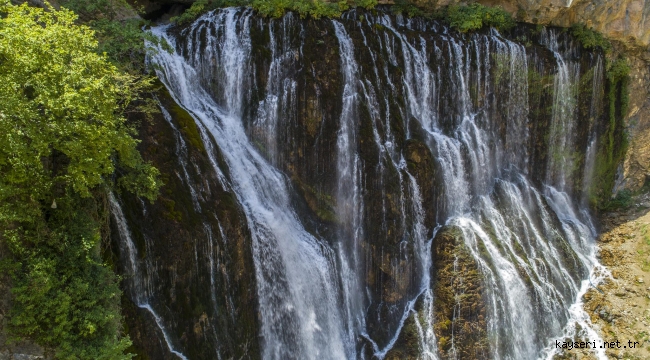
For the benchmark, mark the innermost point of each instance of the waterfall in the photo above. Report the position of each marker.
(296, 282)
(431, 130)
(562, 159)
(139, 283)
(349, 200)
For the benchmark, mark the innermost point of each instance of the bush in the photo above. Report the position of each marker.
(477, 16)
(63, 296)
(622, 200)
(123, 40)
(589, 38)
(198, 8)
(406, 8)
(274, 8)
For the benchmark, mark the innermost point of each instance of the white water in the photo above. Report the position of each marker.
(349, 200)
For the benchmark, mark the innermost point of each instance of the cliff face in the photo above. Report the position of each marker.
(635, 171)
(346, 142)
(623, 20)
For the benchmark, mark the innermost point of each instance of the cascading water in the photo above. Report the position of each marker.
(140, 286)
(296, 292)
(421, 130)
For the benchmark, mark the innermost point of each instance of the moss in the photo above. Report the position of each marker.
(171, 213)
(458, 293)
(321, 203)
(188, 126)
(613, 143)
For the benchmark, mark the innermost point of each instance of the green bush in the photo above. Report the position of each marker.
(589, 38)
(198, 8)
(63, 296)
(406, 8)
(275, 8)
(622, 200)
(123, 40)
(477, 16)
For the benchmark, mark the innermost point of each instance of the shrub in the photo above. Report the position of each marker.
(476, 16)
(275, 8)
(589, 38)
(407, 8)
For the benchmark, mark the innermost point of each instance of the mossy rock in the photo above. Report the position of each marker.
(459, 304)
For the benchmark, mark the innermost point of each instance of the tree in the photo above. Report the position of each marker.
(64, 142)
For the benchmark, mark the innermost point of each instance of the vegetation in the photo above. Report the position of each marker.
(407, 8)
(63, 143)
(202, 6)
(118, 30)
(589, 38)
(477, 16)
(275, 8)
(462, 18)
(312, 8)
(611, 152)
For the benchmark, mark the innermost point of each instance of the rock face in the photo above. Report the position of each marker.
(461, 326)
(635, 172)
(192, 250)
(621, 20)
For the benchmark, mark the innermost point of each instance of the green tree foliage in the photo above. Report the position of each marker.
(63, 141)
(305, 8)
(275, 8)
(118, 29)
(64, 297)
(476, 16)
(589, 38)
(59, 112)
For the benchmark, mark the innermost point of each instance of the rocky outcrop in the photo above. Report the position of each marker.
(460, 312)
(635, 171)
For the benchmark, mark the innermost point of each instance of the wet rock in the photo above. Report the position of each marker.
(458, 291)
